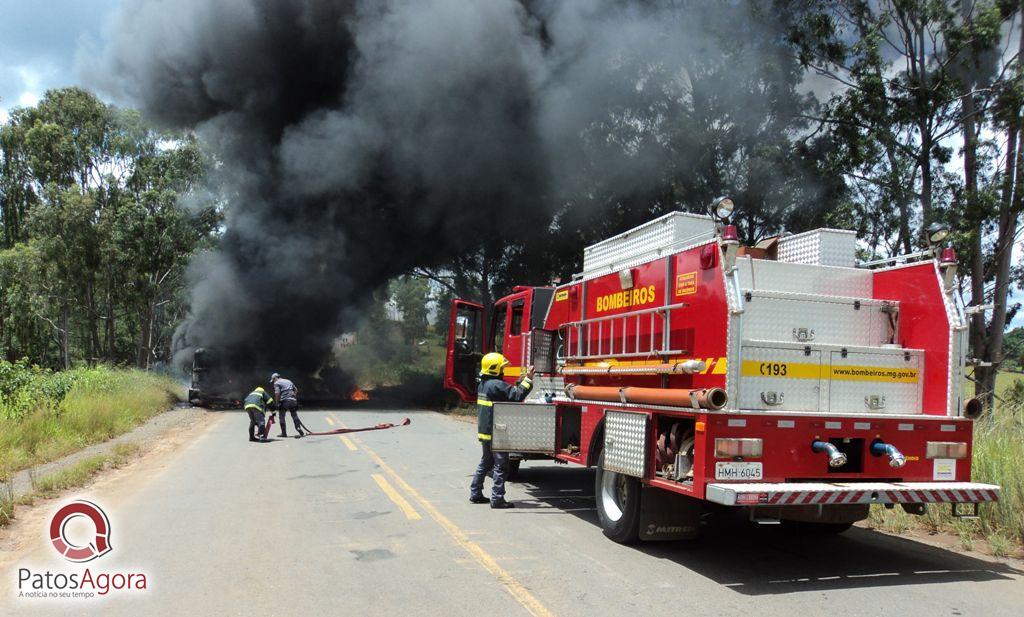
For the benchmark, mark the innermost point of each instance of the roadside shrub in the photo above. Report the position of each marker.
(52, 414)
(998, 451)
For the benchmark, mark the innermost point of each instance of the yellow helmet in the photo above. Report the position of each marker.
(492, 363)
(259, 389)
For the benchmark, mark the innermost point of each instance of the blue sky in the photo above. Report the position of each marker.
(39, 42)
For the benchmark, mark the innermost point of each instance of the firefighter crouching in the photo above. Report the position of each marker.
(493, 389)
(286, 397)
(257, 404)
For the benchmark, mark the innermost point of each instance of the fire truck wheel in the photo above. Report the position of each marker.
(618, 503)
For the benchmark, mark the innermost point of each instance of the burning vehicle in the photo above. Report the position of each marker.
(222, 378)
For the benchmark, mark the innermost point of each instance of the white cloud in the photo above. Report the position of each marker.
(28, 99)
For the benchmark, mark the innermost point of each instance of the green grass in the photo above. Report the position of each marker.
(74, 476)
(99, 404)
(998, 454)
(1005, 383)
(81, 472)
(1005, 380)
(6, 503)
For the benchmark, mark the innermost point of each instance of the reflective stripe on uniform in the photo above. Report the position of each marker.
(483, 436)
(253, 406)
(484, 402)
(526, 382)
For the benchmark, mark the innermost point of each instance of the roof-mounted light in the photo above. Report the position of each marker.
(722, 207)
(937, 232)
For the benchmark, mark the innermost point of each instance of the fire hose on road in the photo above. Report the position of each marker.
(339, 431)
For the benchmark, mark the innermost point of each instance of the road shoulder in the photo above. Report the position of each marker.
(157, 441)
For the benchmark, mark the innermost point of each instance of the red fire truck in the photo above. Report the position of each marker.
(697, 374)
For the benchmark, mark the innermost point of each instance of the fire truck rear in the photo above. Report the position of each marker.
(698, 375)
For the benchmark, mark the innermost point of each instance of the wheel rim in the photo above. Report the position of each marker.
(613, 495)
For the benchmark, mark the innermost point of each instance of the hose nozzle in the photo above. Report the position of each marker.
(835, 457)
(896, 458)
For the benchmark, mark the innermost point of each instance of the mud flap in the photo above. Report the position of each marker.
(665, 515)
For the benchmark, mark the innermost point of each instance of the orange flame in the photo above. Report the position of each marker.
(359, 395)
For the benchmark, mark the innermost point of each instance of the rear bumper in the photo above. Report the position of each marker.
(816, 493)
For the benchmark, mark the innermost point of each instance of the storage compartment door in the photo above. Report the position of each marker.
(817, 320)
(876, 382)
(625, 442)
(780, 379)
(524, 427)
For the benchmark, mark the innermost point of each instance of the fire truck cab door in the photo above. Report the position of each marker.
(465, 348)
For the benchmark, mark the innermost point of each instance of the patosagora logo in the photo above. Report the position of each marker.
(100, 544)
(80, 532)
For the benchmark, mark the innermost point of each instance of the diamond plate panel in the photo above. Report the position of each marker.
(545, 385)
(625, 442)
(804, 318)
(860, 381)
(763, 274)
(798, 384)
(524, 427)
(647, 240)
(824, 247)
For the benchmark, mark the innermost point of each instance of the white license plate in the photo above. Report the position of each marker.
(738, 471)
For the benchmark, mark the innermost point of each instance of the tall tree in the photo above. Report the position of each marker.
(97, 240)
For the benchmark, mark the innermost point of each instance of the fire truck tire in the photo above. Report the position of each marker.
(618, 503)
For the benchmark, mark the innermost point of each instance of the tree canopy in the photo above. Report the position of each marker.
(96, 236)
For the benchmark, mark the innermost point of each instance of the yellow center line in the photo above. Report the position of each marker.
(348, 443)
(329, 420)
(482, 557)
(396, 497)
(345, 440)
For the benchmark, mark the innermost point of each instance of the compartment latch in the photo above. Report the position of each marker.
(772, 398)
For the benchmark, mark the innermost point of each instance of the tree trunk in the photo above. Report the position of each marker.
(65, 352)
(109, 325)
(925, 163)
(145, 336)
(905, 235)
(94, 334)
(978, 330)
(1009, 213)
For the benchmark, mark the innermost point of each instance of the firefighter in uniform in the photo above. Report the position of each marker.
(494, 389)
(256, 405)
(286, 397)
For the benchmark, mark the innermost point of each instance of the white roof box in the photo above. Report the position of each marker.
(823, 247)
(646, 242)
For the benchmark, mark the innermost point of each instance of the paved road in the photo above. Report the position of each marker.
(379, 524)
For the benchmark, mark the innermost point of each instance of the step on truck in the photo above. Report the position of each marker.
(699, 375)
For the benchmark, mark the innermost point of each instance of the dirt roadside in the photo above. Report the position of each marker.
(145, 435)
(159, 441)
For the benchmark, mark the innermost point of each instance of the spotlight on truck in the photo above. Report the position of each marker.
(896, 458)
(722, 207)
(937, 233)
(835, 457)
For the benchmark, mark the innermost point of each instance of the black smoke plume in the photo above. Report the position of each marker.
(360, 138)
